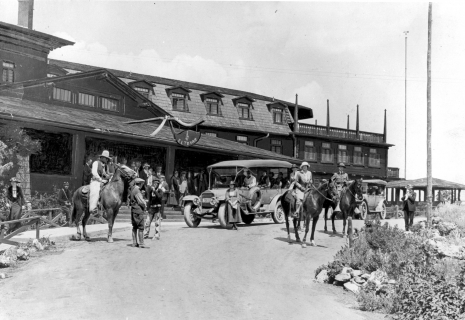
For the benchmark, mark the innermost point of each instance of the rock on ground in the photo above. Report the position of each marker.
(351, 287)
(342, 277)
(322, 276)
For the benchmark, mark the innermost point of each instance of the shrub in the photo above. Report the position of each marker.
(370, 300)
(452, 213)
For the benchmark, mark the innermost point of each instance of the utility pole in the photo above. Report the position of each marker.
(405, 172)
(428, 98)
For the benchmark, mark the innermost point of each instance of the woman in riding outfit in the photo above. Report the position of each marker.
(339, 178)
(233, 212)
(303, 179)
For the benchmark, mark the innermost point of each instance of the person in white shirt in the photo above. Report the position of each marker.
(100, 175)
(303, 179)
(249, 181)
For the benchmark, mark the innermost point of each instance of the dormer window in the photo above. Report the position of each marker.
(179, 101)
(244, 110)
(179, 96)
(143, 91)
(8, 73)
(277, 115)
(213, 106)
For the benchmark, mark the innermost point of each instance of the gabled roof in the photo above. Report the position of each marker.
(178, 87)
(277, 102)
(244, 97)
(144, 81)
(98, 74)
(219, 95)
(114, 125)
(37, 40)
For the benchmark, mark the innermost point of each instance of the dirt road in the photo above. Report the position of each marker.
(202, 273)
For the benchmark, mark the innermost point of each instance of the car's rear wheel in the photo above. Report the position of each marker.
(363, 210)
(382, 214)
(278, 213)
(189, 217)
(222, 215)
(247, 218)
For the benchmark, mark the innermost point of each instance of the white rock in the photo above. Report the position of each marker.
(346, 270)
(365, 276)
(2, 276)
(351, 287)
(22, 254)
(322, 276)
(359, 280)
(378, 275)
(5, 262)
(392, 281)
(343, 277)
(355, 273)
(38, 245)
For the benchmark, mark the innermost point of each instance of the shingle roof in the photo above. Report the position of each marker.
(107, 124)
(264, 124)
(422, 183)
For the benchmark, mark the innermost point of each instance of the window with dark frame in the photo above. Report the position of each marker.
(342, 154)
(108, 104)
(62, 95)
(358, 156)
(86, 99)
(8, 73)
(179, 101)
(242, 139)
(244, 110)
(326, 153)
(309, 152)
(211, 134)
(374, 159)
(277, 115)
(276, 146)
(143, 91)
(213, 106)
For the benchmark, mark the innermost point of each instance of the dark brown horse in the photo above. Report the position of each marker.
(347, 204)
(311, 208)
(111, 196)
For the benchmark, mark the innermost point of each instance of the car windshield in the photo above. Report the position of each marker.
(375, 189)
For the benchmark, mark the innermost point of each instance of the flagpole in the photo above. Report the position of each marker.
(429, 124)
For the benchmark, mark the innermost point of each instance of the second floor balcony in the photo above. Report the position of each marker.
(317, 130)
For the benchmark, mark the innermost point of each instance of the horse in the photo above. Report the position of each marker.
(347, 204)
(311, 207)
(111, 196)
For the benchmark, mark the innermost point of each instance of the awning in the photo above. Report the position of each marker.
(422, 183)
(252, 164)
(113, 125)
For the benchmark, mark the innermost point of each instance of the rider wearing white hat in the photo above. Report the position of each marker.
(303, 179)
(339, 178)
(99, 176)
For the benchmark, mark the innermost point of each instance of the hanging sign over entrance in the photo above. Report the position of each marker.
(185, 138)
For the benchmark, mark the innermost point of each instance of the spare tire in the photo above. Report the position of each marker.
(255, 202)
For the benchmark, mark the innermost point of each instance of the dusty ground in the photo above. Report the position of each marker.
(203, 273)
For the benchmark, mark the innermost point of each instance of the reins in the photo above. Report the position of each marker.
(308, 190)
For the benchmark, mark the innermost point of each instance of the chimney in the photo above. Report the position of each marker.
(357, 134)
(25, 13)
(327, 117)
(296, 114)
(385, 128)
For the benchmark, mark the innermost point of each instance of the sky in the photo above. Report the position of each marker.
(350, 53)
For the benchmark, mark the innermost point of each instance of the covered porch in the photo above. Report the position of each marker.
(395, 190)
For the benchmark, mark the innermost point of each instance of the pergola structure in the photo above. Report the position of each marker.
(396, 187)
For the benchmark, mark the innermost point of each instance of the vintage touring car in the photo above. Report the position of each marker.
(254, 201)
(374, 201)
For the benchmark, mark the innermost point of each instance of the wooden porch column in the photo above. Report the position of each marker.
(169, 163)
(79, 153)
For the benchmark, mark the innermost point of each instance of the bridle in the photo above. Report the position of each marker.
(315, 188)
(348, 189)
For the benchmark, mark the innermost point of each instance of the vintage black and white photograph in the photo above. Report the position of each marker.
(226, 160)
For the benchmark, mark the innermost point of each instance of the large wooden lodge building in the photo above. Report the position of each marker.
(78, 110)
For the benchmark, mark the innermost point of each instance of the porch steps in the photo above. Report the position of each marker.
(172, 215)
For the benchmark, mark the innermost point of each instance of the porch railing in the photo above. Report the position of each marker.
(340, 133)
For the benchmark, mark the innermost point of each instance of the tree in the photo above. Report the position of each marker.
(14, 143)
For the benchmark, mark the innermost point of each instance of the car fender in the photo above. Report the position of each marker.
(191, 198)
(275, 201)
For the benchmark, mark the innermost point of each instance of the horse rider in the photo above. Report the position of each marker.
(64, 199)
(154, 202)
(100, 176)
(340, 178)
(138, 207)
(303, 179)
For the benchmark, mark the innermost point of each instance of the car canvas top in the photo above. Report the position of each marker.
(255, 163)
(375, 181)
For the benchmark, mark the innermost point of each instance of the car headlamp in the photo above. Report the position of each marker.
(214, 201)
(196, 201)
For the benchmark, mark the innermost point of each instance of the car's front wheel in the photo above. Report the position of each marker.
(222, 215)
(189, 217)
(382, 214)
(278, 213)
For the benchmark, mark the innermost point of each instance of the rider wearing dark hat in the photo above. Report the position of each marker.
(138, 207)
(339, 178)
